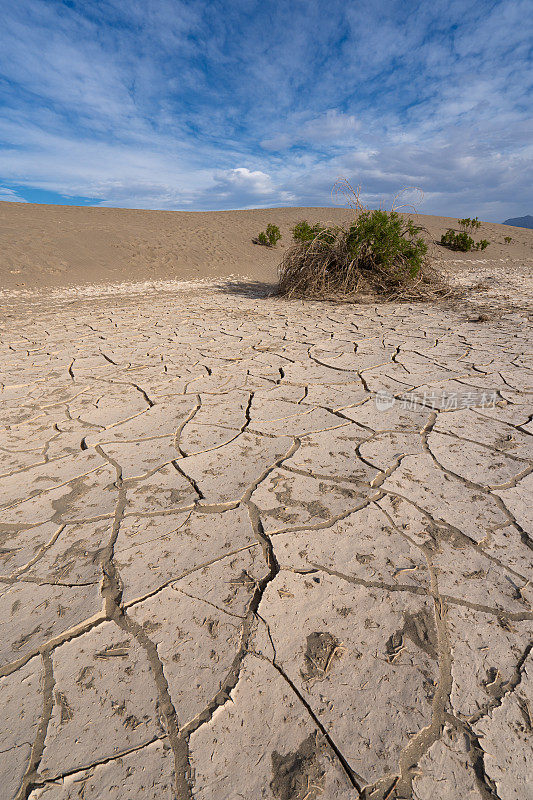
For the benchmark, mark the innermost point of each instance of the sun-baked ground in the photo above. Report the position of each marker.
(257, 549)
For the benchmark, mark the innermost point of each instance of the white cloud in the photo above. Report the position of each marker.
(8, 195)
(332, 126)
(327, 129)
(242, 179)
(245, 188)
(280, 142)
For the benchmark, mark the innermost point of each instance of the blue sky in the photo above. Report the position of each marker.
(193, 105)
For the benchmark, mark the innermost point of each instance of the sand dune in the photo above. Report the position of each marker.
(43, 245)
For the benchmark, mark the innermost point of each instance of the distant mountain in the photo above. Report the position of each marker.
(520, 222)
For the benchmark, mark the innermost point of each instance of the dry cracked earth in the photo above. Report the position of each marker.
(228, 571)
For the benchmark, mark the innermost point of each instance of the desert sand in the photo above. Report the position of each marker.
(252, 548)
(44, 246)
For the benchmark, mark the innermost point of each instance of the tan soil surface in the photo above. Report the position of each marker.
(44, 245)
(252, 548)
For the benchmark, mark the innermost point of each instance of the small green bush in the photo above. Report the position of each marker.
(273, 234)
(457, 241)
(466, 223)
(304, 233)
(507, 239)
(463, 241)
(270, 238)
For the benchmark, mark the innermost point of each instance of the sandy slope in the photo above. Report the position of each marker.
(43, 245)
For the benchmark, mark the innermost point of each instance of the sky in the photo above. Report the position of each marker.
(224, 104)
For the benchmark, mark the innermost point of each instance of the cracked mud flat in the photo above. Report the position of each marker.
(225, 573)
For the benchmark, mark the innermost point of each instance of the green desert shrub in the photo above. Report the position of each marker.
(457, 241)
(507, 239)
(273, 234)
(380, 253)
(305, 233)
(386, 242)
(270, 237)
(469, 224)
(461, 241)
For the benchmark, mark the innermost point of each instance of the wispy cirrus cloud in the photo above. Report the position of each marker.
(8, 195)
(195, 105)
